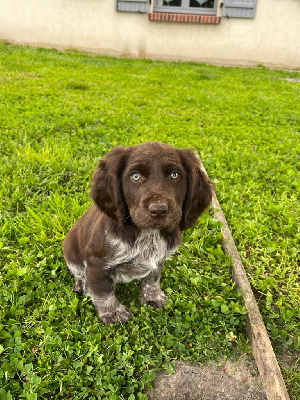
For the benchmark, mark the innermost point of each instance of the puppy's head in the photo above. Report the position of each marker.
(152, 185)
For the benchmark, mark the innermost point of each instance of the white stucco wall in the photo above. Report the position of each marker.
(272, 38)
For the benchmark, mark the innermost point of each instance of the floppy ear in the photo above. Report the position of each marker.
(107, 190)
(199, 189)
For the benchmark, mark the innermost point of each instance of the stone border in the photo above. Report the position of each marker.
(266, 362)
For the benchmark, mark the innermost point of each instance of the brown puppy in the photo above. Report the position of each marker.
(144, 197)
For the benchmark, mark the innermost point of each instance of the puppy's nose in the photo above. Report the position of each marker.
(158, 210)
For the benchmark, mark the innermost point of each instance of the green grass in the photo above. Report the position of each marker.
(61, 112)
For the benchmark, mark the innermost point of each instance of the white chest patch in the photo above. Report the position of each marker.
(137, 261)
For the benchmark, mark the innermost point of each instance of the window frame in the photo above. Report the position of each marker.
(185, 9)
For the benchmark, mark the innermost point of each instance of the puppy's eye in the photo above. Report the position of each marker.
(174, 175)
(136, 176)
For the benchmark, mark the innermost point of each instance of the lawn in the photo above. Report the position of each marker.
(59, 114)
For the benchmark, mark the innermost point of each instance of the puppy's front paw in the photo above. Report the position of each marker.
(153, 296)
(118, 315)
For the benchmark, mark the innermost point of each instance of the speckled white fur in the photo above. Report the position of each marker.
(79, 274)
(137, 261)
(77, 271)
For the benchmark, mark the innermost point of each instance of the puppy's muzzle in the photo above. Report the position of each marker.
(158, 210)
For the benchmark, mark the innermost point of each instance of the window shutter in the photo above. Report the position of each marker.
(239, 8)
(141, 6)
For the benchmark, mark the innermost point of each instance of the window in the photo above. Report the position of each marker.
(197, 11)
(186, 6)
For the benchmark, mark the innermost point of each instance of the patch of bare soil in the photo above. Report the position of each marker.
(233, 381)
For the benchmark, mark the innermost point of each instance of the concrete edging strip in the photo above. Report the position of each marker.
(272, 380)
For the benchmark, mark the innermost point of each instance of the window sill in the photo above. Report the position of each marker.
(190, 18)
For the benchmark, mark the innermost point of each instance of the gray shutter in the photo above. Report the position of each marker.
(239, 8)
(141, 6)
